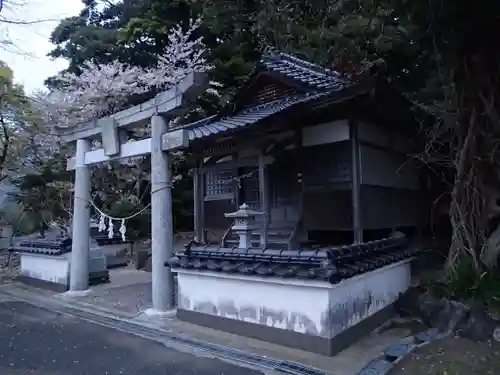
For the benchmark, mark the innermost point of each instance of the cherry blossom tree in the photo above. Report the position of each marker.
(102, 89)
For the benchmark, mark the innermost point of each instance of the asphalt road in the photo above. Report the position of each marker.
(40, 342)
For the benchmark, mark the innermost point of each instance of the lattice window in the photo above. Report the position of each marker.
(219, 184)
(327, 164)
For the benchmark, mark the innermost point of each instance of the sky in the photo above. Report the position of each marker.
(29, 62)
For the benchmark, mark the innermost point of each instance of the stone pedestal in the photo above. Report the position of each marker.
(115, 250)
(244, 225)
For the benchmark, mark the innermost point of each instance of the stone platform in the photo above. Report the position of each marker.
(320, 300)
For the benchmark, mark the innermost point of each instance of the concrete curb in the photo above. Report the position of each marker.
(165, 337)
(398, 350)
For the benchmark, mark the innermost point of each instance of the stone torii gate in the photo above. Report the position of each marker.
(110, 130)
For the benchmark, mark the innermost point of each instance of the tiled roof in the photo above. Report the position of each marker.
(315, 81)
(326, 264)
(302, 71)
(216, 124)
(44, 246)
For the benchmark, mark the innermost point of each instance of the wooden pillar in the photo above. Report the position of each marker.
(264, 199)
(356, 182)
(299, 230)
(198, 201)
(203, 229)
(236, 183)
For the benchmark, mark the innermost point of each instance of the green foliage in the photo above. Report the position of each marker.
(467, 283)
(13, 213)
(45, 195)
(182, 208)
(19, 127)
(6, 76)
(348, 35)
(92, 35)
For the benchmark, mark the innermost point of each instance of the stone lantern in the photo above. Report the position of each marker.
(244, 224)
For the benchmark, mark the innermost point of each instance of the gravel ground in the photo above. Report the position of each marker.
(129, 299)
(452, 356)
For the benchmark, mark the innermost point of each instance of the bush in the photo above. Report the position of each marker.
(22, 222)
(468, 283)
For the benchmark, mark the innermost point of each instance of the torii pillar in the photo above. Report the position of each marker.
(161, 220)
(163, 143)
(79, 280)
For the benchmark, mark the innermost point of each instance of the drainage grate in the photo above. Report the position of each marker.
(428, 335)
(377, 367)
(297, 368)
(398, 349)
(221, 351)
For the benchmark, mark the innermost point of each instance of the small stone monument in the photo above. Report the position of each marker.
(244, 224)
(114, 249)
